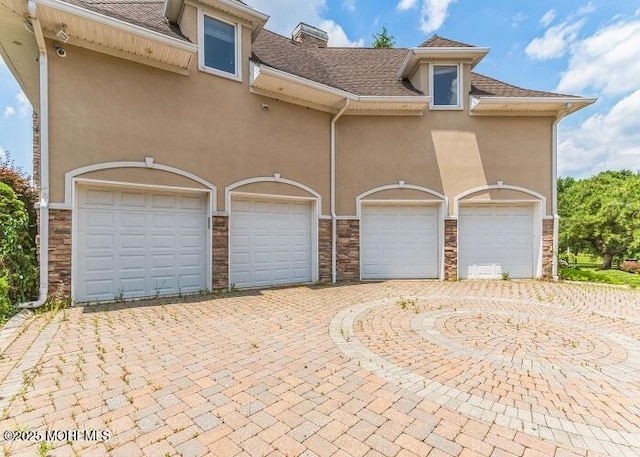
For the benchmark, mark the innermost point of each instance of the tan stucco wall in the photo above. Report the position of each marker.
(142, 176)
(401, 194)
(499, 194)
(273, 188)
(105, 109)
(447, 151)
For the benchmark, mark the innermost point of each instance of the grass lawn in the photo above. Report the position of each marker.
(601, 276)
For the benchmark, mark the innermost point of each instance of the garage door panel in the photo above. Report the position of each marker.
(133, 199)
(268, 239)
(98, 197)
(400, 241)
(100, 264)
(146, 239)
(159, 201)
(495, 239)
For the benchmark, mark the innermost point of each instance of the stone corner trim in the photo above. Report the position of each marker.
(60, 252)
(450, 249)
(220, 254)
(547, 247)
(348, 255)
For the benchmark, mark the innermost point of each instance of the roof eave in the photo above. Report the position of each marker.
(296, 89)
(472, 54)
(559, 106)
(121, 25)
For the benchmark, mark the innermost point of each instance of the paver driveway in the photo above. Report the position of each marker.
(394, 369)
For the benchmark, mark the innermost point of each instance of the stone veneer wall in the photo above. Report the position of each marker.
(220, 254)
(547, 247)
(324, 250)
(450, 249)
(60, 252)
(348, 261)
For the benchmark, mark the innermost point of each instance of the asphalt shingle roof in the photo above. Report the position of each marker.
(148, 14)
(361, 71)
(439, 42)
(484, 86)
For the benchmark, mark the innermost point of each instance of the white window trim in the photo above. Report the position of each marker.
(237, 76)
(460, 105)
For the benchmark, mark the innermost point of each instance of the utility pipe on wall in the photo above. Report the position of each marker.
(44, 159)
(334, 220)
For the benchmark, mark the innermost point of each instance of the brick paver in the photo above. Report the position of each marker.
(393, 369)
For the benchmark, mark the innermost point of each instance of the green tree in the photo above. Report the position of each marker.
(382, 39)
(17, 254)
(601, 214)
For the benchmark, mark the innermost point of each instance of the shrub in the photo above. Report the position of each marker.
(14, 177)
(6, 308)
(630, 266)
(17, 254)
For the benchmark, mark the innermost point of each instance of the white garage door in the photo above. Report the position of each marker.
(139, 243)
(495, 239)
(270, 242)
(399, 242)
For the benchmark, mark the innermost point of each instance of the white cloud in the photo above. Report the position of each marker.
(608, 141)
(349, 5)
(555, 41)
(404, 5)
(9, 111)
(337, 36)
(548, 18)
(433, 13)
(518, 19)
(287, 14)
(3, 154)
(608, 61)
(23, 107)
(587, 9)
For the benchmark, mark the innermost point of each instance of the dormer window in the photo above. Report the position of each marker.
(219, 47)
(445, 86)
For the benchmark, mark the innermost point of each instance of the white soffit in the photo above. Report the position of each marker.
(102, 33)
(18, 49)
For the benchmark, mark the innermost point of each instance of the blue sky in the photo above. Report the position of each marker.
(579, 47)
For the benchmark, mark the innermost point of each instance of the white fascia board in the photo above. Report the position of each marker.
(569, 104)
(252, 17)
(270, 71)
(258, 69)
(118, 24)
(415, 54)
(261, 17)
(417, 99)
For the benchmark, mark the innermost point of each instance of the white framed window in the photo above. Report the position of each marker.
(446, 86)
(219, 46)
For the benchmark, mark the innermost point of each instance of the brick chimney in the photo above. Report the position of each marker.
(310, 36)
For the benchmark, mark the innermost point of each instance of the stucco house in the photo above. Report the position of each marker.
(181, 147)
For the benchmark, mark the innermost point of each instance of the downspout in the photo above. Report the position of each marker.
(554, 188)
(334, 217)
(44, 160)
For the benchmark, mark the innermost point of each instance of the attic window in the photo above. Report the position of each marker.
(219, 47)
(445, 83)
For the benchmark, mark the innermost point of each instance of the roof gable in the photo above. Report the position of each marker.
(440, 42)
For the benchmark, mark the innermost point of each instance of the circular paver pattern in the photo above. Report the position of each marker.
(548, 370)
